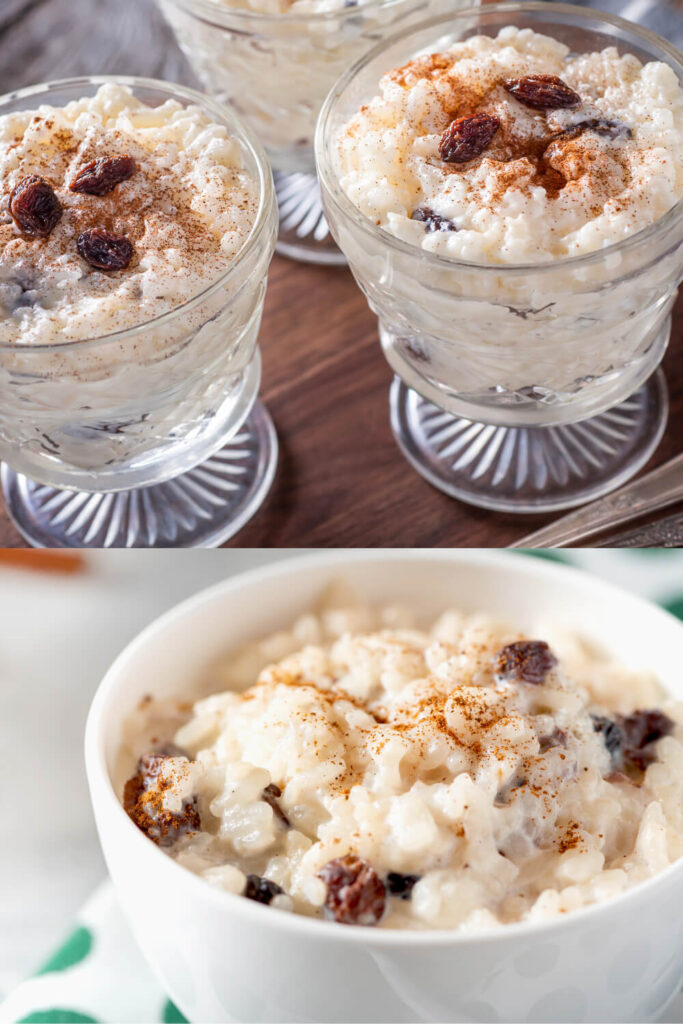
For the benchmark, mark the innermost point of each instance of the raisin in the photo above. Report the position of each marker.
(103, 250)
(432, 221)
(600, 126)
(543, 92)
(271, 794)
(416, 350)
(149, 767)
(262, 890)
(34, 207)
(401, 885)
(612, 735)
(143, 801)
(505, 795)
(355, 892)
(102, 175)
(526, 661)
(25, 289)
(645, 727)
(467, 138)
(557, 738)
(628, 738)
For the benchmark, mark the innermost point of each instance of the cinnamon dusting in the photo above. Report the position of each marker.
(541, 158)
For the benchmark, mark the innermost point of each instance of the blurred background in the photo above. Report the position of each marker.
(61, 630)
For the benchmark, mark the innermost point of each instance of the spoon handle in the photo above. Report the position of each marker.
(659, 488)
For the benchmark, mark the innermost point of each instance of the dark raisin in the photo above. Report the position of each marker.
(543, 92)
(103, 250)
(416, 350)
(102, 175)
(600, 126)
(149, 766)
(557, 738)
(25, 291)
(612, 735)
(432, 221)
(355, 892)
(466, 138)
(526, 661)
(271, 794)
(629, 738)
(34, 207)
(401, 885)
(262, 890)
(143, 801)
(504, 795)
(645, 727)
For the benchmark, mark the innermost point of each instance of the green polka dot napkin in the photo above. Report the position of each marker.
(98, 974)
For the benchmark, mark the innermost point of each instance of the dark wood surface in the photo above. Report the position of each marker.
(341, 480)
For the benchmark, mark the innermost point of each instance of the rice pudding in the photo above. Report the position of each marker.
(366, 769)
(274, 61)
(137, 228)
(295, 7)
(116, 213)
(510, 149)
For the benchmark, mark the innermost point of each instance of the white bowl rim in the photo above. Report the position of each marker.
(317, 928)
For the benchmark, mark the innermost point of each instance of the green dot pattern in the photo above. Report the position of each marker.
(172, 1015)
(57, 1016)
(675, 606)
(549, 556)
(75, 949)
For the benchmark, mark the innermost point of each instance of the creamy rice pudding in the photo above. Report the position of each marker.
(116, 212)
(272, 7)
(368, 770)
(274, 61)
(511, 149)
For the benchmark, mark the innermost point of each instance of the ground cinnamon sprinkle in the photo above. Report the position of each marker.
(417, 721)
(524, 158)
(570, 838)
(549, 159)
(144, 800)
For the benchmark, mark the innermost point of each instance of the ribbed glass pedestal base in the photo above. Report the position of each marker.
(203, 507)
(529, 469)
(304, 234)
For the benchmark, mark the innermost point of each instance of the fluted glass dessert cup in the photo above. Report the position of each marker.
(274, 71)
(150, 435)
(523, 388)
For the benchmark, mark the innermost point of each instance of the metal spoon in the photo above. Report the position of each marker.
(659, 488)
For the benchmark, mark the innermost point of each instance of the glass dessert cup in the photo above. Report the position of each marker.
(521, 388)
(150, 436)
(274, 71)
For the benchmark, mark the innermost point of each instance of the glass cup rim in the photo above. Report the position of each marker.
(330, 182)
(224, 116)
(216, 14)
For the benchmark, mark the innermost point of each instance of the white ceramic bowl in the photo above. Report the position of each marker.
(222, 957)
